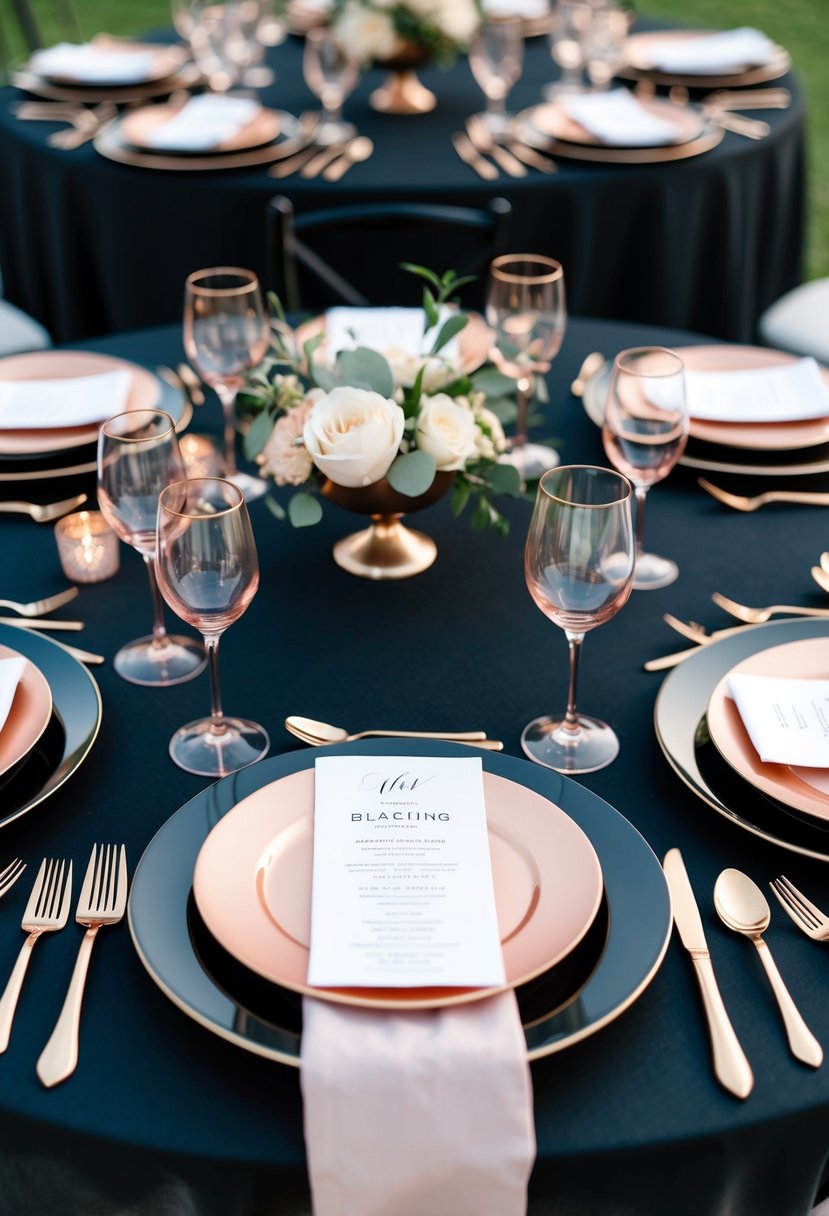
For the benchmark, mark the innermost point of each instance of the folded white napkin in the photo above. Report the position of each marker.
(712, 53)
(617, 118)
(384, 329)
(31, 405)
(791, 392)
(11, 671)
(530, 10)
(204, 122)
(417, 1114)
(787, 720)
(93, 64)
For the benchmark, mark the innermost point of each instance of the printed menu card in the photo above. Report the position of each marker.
(402, 893)
(787, 720)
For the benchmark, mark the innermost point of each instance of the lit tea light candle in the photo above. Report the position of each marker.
(201, 456)
(87, 547)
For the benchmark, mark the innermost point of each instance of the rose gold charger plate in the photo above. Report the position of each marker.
(526, 129)
(803, 789)
(252, 887)
(639, 51)
(111, 143)
(756, 436)
(165, 61)
(474, 342)
(554, 122)
(67, 365)
(28, 716)
(138, 127)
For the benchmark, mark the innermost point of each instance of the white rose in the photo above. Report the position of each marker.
(458, 19)
(353, 435)
(492, 442)
(405, 368)
(365, 34)
(447, 431)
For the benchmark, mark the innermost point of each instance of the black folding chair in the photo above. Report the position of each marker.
(352, 255)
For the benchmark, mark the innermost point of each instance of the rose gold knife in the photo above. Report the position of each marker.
(731, 1067)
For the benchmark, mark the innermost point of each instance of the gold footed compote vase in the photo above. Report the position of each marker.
(402, 92)
(387, 549)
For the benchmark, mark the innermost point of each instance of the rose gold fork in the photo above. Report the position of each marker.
(741, 503)
(10, 875)
(806, 915)
(41, 607)
(758, 616)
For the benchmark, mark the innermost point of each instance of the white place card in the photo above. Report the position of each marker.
(204, 122)
(31, 405)
(402, 892)
(617, 118)
(11, 672)
(787, 720)
(712, 53)
(790, 392)
(93, 64)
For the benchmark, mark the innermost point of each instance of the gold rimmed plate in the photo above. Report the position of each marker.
(69, 734)
(681, 725)
(138, 127)
(552, 121)
(634, 923)
(639, 50)
(38, 86)
(112, 144)
(709, 137)
(28, 716)
(163, 61)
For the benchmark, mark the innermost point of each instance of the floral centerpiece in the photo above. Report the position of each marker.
(381, 432)
(404, 34)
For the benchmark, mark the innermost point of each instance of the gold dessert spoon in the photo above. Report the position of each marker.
(321, 733)
(742, 906)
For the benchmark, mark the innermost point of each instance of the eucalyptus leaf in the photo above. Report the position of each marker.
(503, 479)
(304, 510)
(422, 272)
(504, 409)
(481, 515)
(430, 307)
(320, 376)
(274, 507)
(460, 496)
(412, 474)
(258, 434)
(451, 326)
(492, 382)
(366, 369)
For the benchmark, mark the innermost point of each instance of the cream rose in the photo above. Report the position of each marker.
(458, 19)
(366, 34)
(492, 442)
(353, 435)
(405, 367)
(447, 431)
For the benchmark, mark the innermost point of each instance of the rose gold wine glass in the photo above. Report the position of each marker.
(208, 573)
(645, 431)
(527, 310)
(331, 74)
(496, 57)
(578, 562)
(226, 334)
(138, 455)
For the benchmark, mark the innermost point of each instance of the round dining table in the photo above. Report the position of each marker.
(162, 1114)
(89, 246)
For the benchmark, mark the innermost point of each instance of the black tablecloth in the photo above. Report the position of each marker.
(631, 1120)
(90, 247)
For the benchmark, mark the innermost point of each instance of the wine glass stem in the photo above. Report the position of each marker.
(496, 107)
(523, 407)
(641, 497)
(227, 396)
(574, 641)
(331, 111)
(217, 718)
(159, 631)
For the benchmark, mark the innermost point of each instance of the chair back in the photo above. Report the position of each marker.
(351, 255)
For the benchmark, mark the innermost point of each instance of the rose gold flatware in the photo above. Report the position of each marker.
(44, 606)
(697, 633)
(483, 142)
(102, 902)
(741, 503)
(46, 912)
(751, 128)
(43, 513)
(293, 163)
(321, 159)
(748, 99)
(758, 616)
(806, 915)
(742, 906)
(10, 874)
(320, 734)
(670, 660)
(86, 129)
(358, 150)
(731, 1067)
(45, 623)
(470, 155)
(821, 577)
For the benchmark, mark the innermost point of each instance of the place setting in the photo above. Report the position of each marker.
(704, 59)
(115, 70)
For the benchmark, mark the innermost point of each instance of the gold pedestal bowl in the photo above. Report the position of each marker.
(402, 92)
(386, 549)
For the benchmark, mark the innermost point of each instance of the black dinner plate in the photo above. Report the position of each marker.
(616, 965)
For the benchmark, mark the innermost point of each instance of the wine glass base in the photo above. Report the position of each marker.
(330, 132)
(159, 665)
(198, 749)
(532, 459)
(547, 741)
(495, 122)
(560, 88)
(251, 487)
(652, 572)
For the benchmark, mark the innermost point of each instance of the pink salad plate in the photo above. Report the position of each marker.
(803, 789)
(252, 886)
(138, 127)
(756, 436)
(29, 715)
(67, 365)
(553, 121)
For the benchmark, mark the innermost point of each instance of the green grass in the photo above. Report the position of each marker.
(800, 25)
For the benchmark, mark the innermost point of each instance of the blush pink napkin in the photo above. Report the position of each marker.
(417, 1113)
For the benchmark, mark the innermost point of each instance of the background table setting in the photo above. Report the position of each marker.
(622, 213)
(186, 1086)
